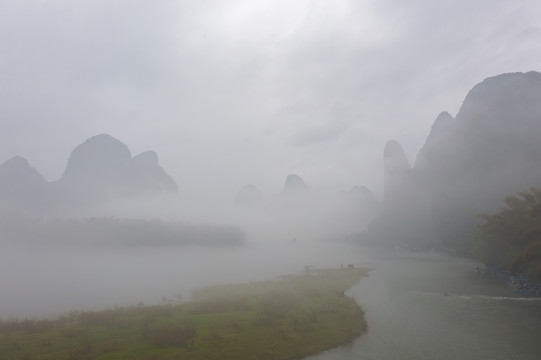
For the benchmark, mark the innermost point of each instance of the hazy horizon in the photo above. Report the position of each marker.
(343, 94)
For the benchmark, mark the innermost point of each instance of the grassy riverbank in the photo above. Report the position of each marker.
(295, 316)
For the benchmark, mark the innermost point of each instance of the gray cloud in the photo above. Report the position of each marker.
(327, 132)
(233, 92)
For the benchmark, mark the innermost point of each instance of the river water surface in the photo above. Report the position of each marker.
(434, 306)
(418, 305)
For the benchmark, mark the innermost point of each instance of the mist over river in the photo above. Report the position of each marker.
(49, 281)
(418, 305)
(434, 306)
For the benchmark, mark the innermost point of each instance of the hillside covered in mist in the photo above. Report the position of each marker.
(99, 171)
(467, 166)
(106, 193)
(300, 212)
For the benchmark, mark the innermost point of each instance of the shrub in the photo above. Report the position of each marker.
(177, 336)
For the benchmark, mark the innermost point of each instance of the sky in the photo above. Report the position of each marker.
(236, 92)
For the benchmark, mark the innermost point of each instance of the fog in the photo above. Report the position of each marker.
(130, 130)
(50, 281)
(234, 92)
(80, 252)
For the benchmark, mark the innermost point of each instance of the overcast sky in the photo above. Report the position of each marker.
(235, 92)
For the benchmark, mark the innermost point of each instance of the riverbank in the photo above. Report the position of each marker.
(290, 318)
(410, 318)
(522, 285)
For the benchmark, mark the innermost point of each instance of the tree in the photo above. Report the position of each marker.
(508, 237)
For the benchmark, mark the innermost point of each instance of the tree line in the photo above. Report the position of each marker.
(115, 232)
(511, 237)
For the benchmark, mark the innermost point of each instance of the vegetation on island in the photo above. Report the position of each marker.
(511, 238)
(110, 232)
(290, 318)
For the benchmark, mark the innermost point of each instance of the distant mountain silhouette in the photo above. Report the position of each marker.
(97, 170)
(405, 215)
(495, 137)
(21, 186)
(364, 195)
(470, 163)
(294, 184)
(249, 196)
(101, 169)
(397, 172)
(490, 150)
(150, 176)
(17, 174)
(301, 213)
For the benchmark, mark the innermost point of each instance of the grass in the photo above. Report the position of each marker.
(290, 318)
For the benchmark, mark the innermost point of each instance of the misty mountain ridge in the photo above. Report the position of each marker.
(364, 194)
(295, 191)
(294, 185)
(299, 212)
(21, 186)
(99, 170)
(498, 124)
(467, 165)
(250, 197)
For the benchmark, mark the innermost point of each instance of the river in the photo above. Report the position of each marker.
(435, 306)
(50, 281)
(418, 305)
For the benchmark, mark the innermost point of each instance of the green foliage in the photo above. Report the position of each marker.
(510, 237)
(529, 261)
(171, 335)
(292, 318)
